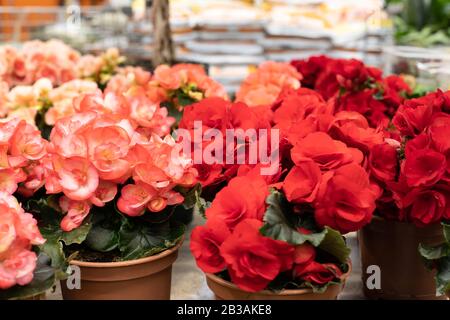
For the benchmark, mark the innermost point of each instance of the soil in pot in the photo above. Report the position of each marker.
(142, 279)
(393, 247)
(225, 290)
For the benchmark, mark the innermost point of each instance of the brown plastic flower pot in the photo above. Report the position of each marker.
(142, 279)
(225, 290)
(393, 246)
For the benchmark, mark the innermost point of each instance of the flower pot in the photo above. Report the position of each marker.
(142, 279)
(225, 290)
(393, 246)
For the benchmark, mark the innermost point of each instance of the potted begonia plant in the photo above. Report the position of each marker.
(111, 189)
(413, 173)
(283, 239)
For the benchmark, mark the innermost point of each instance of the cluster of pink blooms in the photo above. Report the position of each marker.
(36, 59)
(129, 80)
(61, 98)
(262, 87)
(91, 153)
(55, 61)
(99, 68)
(191, 78)
(25, 101)
(21, 149)
(146, 116)
(19, 232)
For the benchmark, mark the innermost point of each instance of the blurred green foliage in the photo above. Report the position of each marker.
(423, 23)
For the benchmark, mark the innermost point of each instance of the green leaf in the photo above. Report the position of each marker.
(173, 112)
(443, 276)
(334, 244)
(104, 233)
(201, 206)
(183, 98)
(320, 288)
(277, 225)
(191, 195)
(138, 240)
(446, 231)
(433, 253)
(102, 239)
(44, 278)
(52, 231)
(54, 249)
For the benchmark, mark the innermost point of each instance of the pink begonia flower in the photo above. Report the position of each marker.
(7, 228)
(17, 269)
(27, 142)
(263, 86)
(28, 228)
(77, 176)
(34, 180)
(88, 66)
(21, 148)
(106, 191)
(76, 212)
(134, 198)
(8, 181)
(167, 78)
(107, 146)
(128, 79)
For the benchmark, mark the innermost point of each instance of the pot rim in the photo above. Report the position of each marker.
(284, 292)
(128, 263)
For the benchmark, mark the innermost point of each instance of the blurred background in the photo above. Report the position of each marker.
(230, 37)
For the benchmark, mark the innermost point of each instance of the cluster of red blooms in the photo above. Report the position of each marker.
(353, 86)
(219, 114)
(415, 171)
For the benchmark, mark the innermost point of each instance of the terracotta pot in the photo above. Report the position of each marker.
(142, 279)
(225, 290)
(393, 246)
